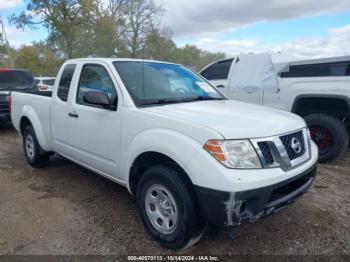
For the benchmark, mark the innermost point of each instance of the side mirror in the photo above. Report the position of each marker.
(98, 99)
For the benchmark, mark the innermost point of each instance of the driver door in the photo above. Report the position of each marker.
(94, 133)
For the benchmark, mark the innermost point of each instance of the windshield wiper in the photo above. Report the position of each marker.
(181, 100)
(203, 98)
(162, 102)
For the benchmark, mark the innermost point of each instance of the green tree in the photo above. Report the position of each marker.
(101, 34)
(62, 18)
(159, 45)
(5, 61)
(104, 28)
(195, 58)
(38, 59)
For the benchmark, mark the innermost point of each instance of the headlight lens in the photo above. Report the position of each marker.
(233, 153)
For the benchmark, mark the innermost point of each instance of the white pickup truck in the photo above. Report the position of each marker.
(190, 156)
(317, 90)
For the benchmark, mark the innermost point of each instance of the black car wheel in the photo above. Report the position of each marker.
(169, 208)
(34, 154)
(330, 135)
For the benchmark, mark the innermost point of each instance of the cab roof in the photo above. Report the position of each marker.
(94, 59)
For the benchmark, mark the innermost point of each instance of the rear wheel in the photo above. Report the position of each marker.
(330, 135)
(169, 208)
(35, 155)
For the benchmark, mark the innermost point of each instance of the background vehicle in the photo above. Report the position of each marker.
(10, 80)
(174, 141)
(45, 83)
(318, 90)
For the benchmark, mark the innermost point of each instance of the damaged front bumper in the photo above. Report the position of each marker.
(234, 208)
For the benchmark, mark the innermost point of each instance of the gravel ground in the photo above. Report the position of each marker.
(66, 209)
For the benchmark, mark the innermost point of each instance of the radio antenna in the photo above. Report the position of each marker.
(4, 42)
(143, 60)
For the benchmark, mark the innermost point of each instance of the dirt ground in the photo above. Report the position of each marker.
(66, 209)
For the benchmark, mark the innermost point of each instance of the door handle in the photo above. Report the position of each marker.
(220, 86)
(73, 114)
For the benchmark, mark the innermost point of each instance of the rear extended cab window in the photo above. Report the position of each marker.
(318, 70)
(65, 82)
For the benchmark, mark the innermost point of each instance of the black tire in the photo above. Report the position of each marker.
(330, 135)
(190, 223)
(35, 155)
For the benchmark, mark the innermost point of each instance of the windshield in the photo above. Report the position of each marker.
(151, 83)
(15, 79)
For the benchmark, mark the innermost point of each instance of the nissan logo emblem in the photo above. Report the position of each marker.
(296, 145)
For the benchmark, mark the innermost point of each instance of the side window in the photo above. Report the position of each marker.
(65, 81)
(95, 78)
(318, 70)
(218, 70)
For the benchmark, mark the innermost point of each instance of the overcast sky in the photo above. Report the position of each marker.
(303, 28)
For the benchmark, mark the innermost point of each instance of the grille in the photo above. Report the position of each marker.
(265, 150)
(287, 141)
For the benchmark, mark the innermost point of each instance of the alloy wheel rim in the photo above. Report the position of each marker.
(322, 137)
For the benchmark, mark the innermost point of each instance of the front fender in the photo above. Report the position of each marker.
(43, 140)
(175, 145)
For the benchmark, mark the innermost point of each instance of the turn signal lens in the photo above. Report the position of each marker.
(214, 148)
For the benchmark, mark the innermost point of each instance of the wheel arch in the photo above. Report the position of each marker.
(334, 105)
(164, 145)
(147, 159)
(24, 122)
(29, 117)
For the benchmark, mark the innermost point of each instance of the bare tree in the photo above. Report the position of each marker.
(138, 18)
(116, 7)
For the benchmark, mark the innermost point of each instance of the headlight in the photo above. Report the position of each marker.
(233, 153)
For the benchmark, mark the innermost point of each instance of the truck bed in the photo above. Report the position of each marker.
(36, 106)
(37, 92)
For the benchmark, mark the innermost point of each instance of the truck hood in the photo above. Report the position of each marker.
(233, 119)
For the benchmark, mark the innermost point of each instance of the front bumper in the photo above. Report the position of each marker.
(234, 208)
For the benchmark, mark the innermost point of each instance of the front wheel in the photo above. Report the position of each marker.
(330, 135)
(169, 208)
